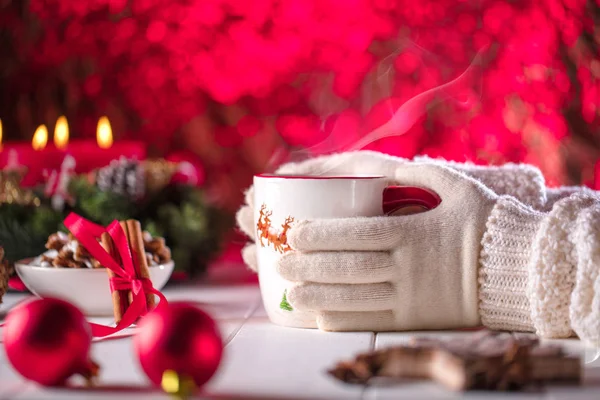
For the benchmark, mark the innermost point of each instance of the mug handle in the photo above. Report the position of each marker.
(403, 200)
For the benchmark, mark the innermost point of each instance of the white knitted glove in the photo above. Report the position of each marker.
(524, 182)
(394, 273)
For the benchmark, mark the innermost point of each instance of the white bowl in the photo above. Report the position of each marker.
(86, 288)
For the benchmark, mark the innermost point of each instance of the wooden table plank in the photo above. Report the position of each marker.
(409, 390)
(591, 374)
(10, 300)
(265, 361)
(9, 380)
(262, 361)
(221, 302)
(230, 305)
(120, 374)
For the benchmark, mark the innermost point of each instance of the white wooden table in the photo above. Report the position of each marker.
(261, 360)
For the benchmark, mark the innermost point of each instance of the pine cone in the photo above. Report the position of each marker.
(122, 176)
(158, 173)
(4, 272)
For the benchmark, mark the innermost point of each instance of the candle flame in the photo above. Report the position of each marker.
(61, 132)
(40, 138)
(104, 133)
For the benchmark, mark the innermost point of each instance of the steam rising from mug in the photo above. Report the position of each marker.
(406, 116)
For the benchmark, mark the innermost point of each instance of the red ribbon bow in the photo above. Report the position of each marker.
(127, 275)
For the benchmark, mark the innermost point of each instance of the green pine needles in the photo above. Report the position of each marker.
(192, 228)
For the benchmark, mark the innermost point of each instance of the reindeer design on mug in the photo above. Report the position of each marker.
(264, 231)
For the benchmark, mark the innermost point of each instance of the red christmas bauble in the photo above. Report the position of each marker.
(48, 340)
(190, 170)
(182, 339)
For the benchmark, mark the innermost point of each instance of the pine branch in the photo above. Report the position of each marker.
(98, 206)
(20, 240)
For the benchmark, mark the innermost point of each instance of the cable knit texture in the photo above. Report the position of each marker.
(539, 272)
(554, 266)
(585, 305)
(503, 276)
(553, 195)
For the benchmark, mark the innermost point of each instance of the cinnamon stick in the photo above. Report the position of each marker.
(119, 297)
(136, 243)
(125, 230)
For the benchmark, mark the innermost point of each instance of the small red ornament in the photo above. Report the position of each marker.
(181, 340)
(190, 170)
(48, 340)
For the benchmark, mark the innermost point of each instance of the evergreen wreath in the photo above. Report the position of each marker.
(191, 227)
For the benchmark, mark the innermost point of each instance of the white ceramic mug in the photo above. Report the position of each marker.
(281, 200)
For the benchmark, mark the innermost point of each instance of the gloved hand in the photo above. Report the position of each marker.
(524, 182)
(394, 273)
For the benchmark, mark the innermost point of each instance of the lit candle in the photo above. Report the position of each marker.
(61, 133)
(40, 138)
(99, 153)
(39, 156)
(104, 133)
(29, 157)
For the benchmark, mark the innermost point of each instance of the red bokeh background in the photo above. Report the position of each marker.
(237, 85)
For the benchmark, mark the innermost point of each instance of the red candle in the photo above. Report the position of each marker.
(33, 157)
(88, 154)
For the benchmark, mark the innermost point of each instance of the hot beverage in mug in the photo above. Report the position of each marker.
(282, 200)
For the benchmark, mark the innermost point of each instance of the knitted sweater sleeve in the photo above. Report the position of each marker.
(556, 194)
(540, 271)
(522, 181)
